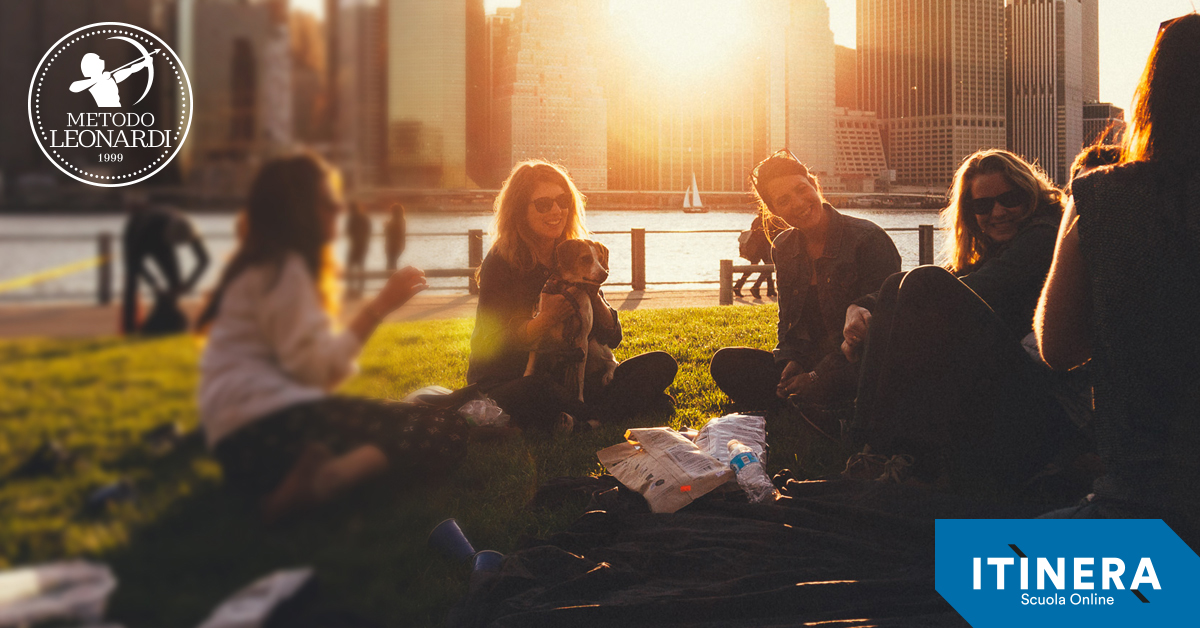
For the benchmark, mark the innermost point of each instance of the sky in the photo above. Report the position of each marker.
(1127, 31)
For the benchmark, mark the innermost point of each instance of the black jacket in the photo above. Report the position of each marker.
(858, 256)
(507, 299)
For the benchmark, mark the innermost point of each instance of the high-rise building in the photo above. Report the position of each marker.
(666, 124)
(859, 145)
(846, 81)
(811, 85)
(550, 103)
(499, 25)
(427, 101)
(243, 92)
(1102, 123)
(359, 94)
(1048, 79)
(934, 72)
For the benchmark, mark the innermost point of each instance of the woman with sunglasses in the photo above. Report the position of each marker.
(539, 207)
(944, 375)
(1124, 291)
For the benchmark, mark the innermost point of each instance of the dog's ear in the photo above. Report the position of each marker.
(603, 250)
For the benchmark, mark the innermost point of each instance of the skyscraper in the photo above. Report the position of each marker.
(846, 61)
(550, 104)
(811, 85)
(1102, 123)
(1048, 79)
(427, 99)
(359, 89)
(934, 72)
(667, 123)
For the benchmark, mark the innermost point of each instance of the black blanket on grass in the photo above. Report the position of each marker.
(843, 553)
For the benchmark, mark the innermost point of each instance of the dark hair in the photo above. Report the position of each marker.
(281, 217)
(781, 164)
(1095, 156)
(1165, 125)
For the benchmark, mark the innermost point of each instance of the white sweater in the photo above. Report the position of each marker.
(270, 346)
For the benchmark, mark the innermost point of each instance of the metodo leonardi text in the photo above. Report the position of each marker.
(110, 130)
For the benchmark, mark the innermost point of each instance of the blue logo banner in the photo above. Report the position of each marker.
(1063, 572)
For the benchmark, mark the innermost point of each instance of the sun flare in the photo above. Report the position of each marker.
(686, 36)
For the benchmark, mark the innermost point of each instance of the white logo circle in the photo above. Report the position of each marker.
(110, 104)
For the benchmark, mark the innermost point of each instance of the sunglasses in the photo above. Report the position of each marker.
(547, 203)
(1010, 199)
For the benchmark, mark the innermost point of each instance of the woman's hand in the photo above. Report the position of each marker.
(400, 287)
(858, 323)
(553, 309)
(793, 380)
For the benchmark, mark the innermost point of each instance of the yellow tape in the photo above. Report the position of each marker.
(48, 274)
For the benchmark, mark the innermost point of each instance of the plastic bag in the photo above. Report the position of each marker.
(70, 590)
(484, 412)
(252, 605)
(750, 429)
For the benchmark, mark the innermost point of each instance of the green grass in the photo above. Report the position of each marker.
(184, 544)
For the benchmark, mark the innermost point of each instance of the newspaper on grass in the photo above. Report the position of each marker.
(664, 466)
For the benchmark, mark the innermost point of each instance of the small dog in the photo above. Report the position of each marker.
(569, 354)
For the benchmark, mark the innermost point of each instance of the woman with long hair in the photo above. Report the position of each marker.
(825, 260)
(1124, 291)
(538, 208)
(944, 376)
(272, 356)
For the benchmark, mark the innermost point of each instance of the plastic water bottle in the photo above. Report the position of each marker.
(751, 475)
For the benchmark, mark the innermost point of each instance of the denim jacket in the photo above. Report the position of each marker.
(858, 256)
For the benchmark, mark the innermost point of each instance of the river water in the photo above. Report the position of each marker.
(670, 257)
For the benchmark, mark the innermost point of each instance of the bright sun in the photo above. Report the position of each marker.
(686, 36)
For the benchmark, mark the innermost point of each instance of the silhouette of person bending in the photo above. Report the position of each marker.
(104, 90)
(153, 233)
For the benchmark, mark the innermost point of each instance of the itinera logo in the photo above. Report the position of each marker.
(110, 104)
(1061, 572)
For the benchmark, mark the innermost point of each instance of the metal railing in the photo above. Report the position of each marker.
(105, 267)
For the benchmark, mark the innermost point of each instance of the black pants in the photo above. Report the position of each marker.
(417, 441)
(749, 377)
(764, 275)
(943, 379)
(639, 384)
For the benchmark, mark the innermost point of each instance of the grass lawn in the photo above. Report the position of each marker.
(183, 544)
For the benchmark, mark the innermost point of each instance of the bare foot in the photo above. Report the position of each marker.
(295, 493)
(347, 471)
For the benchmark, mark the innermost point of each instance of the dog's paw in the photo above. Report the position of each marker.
(565, 424)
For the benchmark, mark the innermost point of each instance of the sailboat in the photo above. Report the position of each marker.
(691, 199)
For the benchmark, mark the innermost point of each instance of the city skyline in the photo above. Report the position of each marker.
(1125, 37)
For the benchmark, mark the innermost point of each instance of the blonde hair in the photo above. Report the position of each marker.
(512, 238)
(968, 246)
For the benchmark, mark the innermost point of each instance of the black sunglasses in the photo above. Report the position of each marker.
(1010, 199)
(547, 203)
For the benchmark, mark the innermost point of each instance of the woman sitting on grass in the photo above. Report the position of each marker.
(1124, 292)
(944, 375)
(273, 356)
(537, 208)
